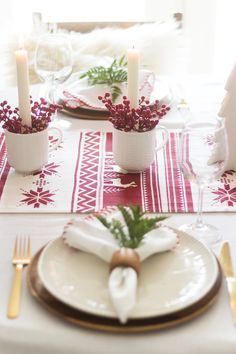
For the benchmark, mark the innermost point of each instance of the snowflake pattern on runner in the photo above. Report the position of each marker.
(41, 195)
(38, 197)
(227, 192)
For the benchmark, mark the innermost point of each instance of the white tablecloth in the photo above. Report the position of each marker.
(37, 331)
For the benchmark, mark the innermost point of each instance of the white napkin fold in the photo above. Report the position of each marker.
(219, 149)
(92, 237)
(81, 94)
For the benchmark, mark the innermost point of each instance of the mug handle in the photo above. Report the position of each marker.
(165, 139)
(57, 143)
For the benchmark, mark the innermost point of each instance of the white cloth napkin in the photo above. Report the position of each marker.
(219, 149)
(92, 237)
(81, 94)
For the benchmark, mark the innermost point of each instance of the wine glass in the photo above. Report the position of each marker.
(53, 62)
(203, 153)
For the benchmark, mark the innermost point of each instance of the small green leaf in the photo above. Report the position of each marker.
(115, 74)
(103, 221)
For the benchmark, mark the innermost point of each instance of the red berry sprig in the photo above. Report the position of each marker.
(141, 119)
(41, 114)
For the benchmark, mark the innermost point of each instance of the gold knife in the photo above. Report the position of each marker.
(227, 266)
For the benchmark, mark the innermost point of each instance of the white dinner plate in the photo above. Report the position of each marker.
(168, 282)
(151, 87)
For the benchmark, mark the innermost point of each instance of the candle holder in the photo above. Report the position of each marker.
(134, 132)
(28, 146)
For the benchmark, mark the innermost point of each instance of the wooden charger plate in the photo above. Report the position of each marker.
(100, 323)
(84, 113)
(88, 114)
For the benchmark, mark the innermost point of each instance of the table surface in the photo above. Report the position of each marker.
(37, 331)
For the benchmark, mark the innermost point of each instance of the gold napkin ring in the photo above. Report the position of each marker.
(125, 257)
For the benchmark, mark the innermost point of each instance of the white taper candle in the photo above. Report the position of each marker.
(23, 85)
(133, 77)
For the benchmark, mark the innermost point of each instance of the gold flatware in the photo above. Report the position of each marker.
(20, 258)
(227, 266)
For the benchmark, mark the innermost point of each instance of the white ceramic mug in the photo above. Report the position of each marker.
(28, 153)
(135, 151)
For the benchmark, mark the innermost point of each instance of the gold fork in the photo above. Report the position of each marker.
(20, 258)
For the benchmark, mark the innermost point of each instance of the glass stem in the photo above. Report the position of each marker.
(53, 98)
(199, 222)
(53, 93)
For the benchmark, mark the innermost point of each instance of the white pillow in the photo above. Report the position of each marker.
(158, 44)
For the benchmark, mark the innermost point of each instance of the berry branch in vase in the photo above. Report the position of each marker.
(141, 119)
(41, 114)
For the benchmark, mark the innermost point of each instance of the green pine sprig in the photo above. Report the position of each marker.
(136, 223)
(112, 76)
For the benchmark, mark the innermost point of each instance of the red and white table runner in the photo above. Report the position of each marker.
(81, 177)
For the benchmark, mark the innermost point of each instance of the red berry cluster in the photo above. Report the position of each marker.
(41, 113)
(141, 119)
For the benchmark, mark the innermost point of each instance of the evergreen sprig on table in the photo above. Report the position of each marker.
(112, 76)
(136, 223)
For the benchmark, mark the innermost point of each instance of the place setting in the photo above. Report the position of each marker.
(134, 283)
(77, 92)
